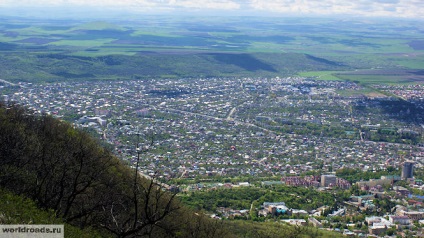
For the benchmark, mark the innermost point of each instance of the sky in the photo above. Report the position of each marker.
(369, 8)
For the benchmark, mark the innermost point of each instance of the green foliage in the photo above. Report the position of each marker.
(242, 198)
(385, 205)
(48, 67)
(19, 210)
(355, 175)
(251, 229)
(419, 173)
(66, 171)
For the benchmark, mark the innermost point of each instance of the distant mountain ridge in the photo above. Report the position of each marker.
(62, 67)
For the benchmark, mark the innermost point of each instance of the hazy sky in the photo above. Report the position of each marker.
(386, 8)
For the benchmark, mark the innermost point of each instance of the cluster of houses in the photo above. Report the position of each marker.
(404, 221)
(326, 181)
(407, 92)
(280, 208)
(400, 218)
(224, 127)
(247, 127)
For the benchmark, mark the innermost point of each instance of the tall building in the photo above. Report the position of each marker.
(407, 170)
(327, 179)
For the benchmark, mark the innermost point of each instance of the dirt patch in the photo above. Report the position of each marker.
(375, 95)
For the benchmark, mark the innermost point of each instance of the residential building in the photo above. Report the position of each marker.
(315, 222)
(328, 180)
(415, 216)
(377, 230)
(402, 220)
(407, 170)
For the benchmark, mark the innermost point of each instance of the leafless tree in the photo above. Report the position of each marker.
(140, 213)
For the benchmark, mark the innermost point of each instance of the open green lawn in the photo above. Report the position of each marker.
(321, 75)
(368, 77)
(371, 79)
(365, 91)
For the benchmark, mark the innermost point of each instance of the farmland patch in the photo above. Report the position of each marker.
(417, 44)
(37, 41)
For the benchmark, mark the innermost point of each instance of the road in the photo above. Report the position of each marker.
(229, 117)
(166, 186)
(7, 82)
(219, 119)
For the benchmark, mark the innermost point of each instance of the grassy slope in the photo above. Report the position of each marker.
(19, 210)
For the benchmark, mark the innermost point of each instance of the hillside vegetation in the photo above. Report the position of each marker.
(46, 50)
(71, 179)
(16, 209)
(64, 170)
(49, 67)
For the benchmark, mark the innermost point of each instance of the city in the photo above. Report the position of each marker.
(212, 118)
(209, 133)
(227, 127)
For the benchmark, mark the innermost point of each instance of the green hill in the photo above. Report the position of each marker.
(59, 67)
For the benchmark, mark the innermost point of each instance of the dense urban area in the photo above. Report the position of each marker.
(360, 145)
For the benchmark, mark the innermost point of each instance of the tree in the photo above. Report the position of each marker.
(64, 169)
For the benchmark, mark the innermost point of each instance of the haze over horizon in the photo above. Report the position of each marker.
(341, 8)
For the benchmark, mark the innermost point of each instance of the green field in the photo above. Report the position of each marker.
(410, 61)
(369, 92)
(321, 75)
(158, 46)
(370, 77)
